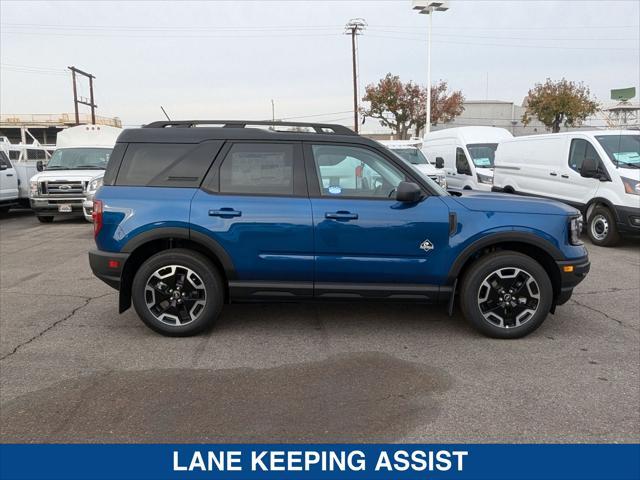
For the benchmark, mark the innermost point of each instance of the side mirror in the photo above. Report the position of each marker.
(408, 192)
(589, 168)
(439, 162)
(39, 166)
(3, 166)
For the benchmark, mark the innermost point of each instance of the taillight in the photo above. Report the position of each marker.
(97, 217)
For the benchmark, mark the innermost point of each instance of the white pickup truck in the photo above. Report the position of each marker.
(68, 183)
(17, 166)
(409, 150)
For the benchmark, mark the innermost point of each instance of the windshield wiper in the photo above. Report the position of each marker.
(628, 165)
(88, 167)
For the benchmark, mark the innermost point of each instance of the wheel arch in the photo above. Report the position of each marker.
(596, 202)
(539, 249)
(143, 246)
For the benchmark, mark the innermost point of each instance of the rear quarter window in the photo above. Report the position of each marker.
(166, 164)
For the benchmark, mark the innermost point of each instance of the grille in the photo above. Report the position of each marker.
(63, 187)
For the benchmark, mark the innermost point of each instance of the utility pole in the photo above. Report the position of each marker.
(273, 111)
(353, 28)
(76, 100)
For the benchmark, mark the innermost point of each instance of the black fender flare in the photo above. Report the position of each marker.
(496, 238)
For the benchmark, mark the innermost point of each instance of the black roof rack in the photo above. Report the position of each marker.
(317, 127)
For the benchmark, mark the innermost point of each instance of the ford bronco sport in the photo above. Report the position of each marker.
(189, 219)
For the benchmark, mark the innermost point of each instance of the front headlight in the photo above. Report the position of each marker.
(33, 188)
(442, 180)
(631, 186)
(575, 228)
(485, 178)
(95, 184)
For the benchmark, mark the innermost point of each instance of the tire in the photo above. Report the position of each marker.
(602, 228)
(486, 286)
(45, 219)
(174, 315)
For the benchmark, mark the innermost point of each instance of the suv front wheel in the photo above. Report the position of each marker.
(178, 292)
(506, 295)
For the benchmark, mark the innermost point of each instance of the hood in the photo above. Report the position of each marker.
(509, 203)
(632, 173)
(427, 169)
(68, 175)
(485, 171)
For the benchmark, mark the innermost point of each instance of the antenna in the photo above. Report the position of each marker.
(165, 113)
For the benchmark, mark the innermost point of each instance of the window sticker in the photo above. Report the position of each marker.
(335, 190)
(627, 157)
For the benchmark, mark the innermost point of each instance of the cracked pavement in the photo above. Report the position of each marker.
(73, 369)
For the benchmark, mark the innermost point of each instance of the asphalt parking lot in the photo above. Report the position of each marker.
(73, 370)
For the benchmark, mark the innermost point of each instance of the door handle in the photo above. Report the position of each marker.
(564, 175)
(9, 174)
(225, 213)
(341, 215)
(553, 174)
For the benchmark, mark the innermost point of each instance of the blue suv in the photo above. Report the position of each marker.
(189, 219)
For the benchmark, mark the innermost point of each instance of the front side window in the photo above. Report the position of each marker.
(260, 169)
(581, 149)
(462, 164)
(482, 154)
(79, 159)
(4, 161)
(623, 150)
(346, 171)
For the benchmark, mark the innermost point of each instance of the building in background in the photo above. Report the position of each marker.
(43, 128)
(495, 113)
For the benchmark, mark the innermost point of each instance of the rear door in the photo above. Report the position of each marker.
(254, 204)
(367, 244)
(8, 180)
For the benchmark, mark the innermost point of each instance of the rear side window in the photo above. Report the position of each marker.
(258, 168)
(581, 149)
(166, 164)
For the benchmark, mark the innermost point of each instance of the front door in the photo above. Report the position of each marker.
(8, 180)
(254, 204)
(574, 188)
(366, 242)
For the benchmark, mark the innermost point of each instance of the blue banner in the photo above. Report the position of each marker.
(326, 461)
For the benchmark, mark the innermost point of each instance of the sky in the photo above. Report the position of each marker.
(228, 60)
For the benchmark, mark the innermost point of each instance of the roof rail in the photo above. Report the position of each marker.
(317, 127)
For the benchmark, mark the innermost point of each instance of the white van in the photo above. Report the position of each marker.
(467, 154)
(409, 151)
(597, 172)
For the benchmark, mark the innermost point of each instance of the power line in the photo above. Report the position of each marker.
(512, 45)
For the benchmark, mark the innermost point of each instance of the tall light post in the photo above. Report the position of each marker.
(427, 7)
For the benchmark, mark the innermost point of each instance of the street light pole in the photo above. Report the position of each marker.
(427, 7)
(427, 125)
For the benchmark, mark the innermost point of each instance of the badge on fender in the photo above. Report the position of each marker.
(426, 246)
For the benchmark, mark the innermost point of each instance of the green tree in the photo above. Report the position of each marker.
(402, 106)
(559, 103)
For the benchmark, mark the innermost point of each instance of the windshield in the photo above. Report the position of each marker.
(412, 155)
(482, 154)
(79, 159)
(623, 150)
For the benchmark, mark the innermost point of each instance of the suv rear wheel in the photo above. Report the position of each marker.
(178, 292)
(602, 228)
(506, 295)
